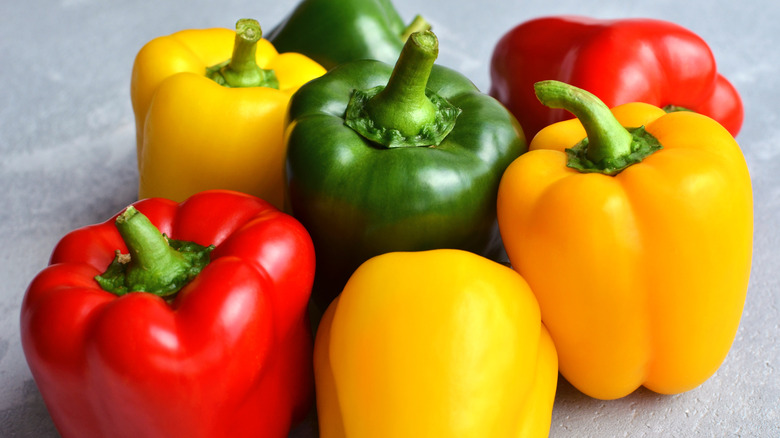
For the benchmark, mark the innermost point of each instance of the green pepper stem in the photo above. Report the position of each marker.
(148, 248)
(403, 104)
(609, 147)
(152, 263)
(241, 70)
(607, 138)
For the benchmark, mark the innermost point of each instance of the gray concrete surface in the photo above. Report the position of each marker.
(67, 159)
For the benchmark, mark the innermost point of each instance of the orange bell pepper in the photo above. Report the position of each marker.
(637, 246)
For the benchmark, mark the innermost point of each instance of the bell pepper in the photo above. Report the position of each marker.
(620, 61)
(409, 161)
(130, 333)
(209, 120)
(334, 32)
(637, 242)
(440, 343)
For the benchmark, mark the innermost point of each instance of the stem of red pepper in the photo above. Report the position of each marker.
(404, 113)
(241, 70)
(154, 263)
(609, 147)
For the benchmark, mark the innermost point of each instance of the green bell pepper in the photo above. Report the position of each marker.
(403, 158)
(333, 32)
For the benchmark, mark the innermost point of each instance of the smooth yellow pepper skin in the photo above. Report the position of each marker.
(194, 134)
(440, 343)
(641, 277)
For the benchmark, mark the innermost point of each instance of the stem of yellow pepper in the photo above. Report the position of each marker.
(609, 147)
(241, 70)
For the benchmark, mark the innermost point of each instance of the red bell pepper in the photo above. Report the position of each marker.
(620, 61)
(229, 355)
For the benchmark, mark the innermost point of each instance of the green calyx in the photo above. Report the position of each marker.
(241, 70)
(154, 263)
(609, 147)
(404, 113)
(642, 145)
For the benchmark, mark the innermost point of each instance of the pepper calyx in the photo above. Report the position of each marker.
(404, 113)
(241, 70)
(430, 134)
(642, 145)
(154, 263)
(608, 147)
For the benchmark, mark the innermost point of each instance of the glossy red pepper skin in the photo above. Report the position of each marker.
(231, 355)
(620, 61)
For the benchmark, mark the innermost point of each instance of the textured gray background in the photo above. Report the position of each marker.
(67, 160)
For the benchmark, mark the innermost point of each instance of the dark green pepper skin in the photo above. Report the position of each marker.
(332, 32)
(359, 200)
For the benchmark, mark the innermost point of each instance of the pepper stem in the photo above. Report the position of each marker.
(609, 147)
(404, 113)
(241, 70)
(403, 104)
(154, 263)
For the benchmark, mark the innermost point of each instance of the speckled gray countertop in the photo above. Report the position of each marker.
(67, 159)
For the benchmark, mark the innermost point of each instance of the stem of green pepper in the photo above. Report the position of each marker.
(609, 147)
(404, 113)
(403, 105)
(241, 70)
(154, 263)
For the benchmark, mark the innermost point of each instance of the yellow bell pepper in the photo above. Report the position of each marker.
(641, 269)
(440, 343)
(206, 119)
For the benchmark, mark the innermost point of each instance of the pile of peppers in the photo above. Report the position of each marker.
(325, 217)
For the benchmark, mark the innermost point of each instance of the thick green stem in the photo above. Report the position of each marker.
(154, 263)
(404, 113)
(607, 138)
(403, 105)
(148, 248)
(609, 147)
(241, 70)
